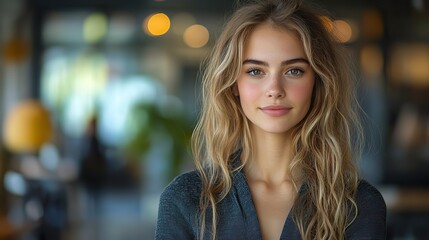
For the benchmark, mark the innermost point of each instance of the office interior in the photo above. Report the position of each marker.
(98, 99)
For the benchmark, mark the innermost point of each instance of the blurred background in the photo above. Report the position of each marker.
(98, 99)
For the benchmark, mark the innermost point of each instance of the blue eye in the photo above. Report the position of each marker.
(295, 72)
(254, 72)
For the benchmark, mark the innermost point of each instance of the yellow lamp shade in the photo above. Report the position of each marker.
(27, 127)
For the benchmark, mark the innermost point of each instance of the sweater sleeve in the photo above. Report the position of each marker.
(177, 209)
(370, 222)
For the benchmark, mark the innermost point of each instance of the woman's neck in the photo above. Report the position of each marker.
(271, 156)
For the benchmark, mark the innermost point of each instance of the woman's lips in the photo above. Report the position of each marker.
(275, 111)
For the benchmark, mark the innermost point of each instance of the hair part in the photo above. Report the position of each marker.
(322, 142)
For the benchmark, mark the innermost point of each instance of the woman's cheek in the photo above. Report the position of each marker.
(248, 90)
(301, 93)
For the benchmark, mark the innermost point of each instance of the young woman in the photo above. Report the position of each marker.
(274, 146)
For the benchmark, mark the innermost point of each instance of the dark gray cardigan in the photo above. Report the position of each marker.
(237, 219)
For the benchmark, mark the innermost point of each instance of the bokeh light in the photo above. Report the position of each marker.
(27, 127)
(409, 64)
(157, 24)
(196, 36)
(342, 31)
(95, 28)
(15, 183)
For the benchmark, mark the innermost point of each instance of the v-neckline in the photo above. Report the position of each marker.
(254, 227)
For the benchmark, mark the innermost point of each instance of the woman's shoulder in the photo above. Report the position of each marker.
(369, 196)
(185, 187)
(178, 207)
(370, 222)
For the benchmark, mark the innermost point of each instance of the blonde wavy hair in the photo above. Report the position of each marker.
(324, 142)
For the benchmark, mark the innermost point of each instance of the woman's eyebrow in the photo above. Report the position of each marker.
(286, 62)
(295, 60)
(256, 62)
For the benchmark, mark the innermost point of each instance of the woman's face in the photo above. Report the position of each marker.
(276, 81)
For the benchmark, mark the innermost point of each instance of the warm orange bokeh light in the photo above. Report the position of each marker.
(196, 36)
(342, 31)
(409, 64)
(157, 24)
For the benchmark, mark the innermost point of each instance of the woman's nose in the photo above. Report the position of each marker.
(275, 88)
